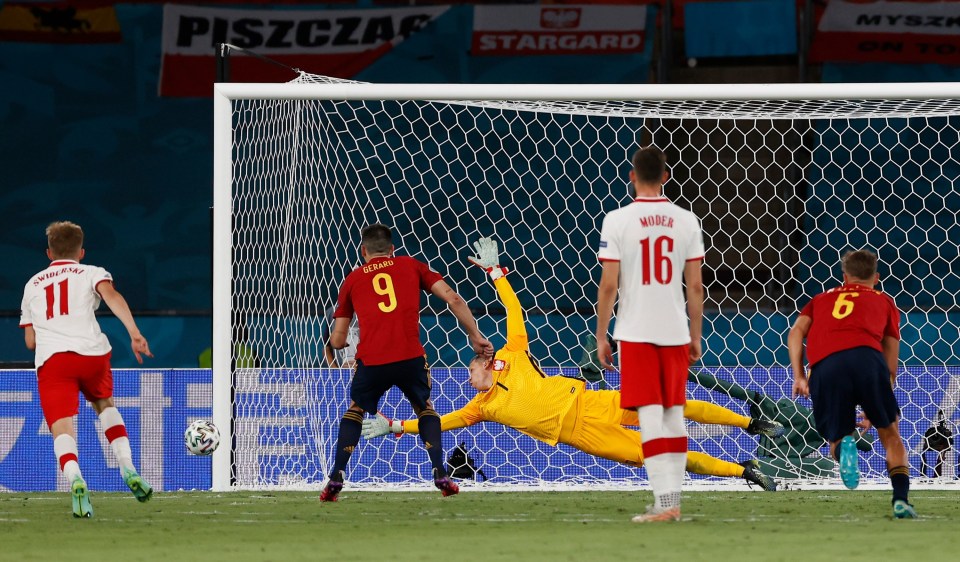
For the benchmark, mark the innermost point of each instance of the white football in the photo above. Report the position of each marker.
(201, 437)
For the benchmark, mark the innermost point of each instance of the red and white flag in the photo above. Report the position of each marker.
(558, 30)
(337, 43)
(898, 32)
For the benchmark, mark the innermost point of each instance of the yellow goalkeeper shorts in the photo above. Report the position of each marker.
(596, 429)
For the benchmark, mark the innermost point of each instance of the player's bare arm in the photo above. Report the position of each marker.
(795, 338)
(338, 335)
(606, 297)
(30, 337)
(459, 308)
(891, 352)
(693, 279)
(118, 305)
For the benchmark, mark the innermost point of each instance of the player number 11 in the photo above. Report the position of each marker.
(64, 307)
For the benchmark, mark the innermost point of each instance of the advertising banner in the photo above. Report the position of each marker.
(899, 32)
(337, 43)
(558, 29)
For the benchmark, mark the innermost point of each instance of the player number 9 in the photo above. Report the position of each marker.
(383, 285)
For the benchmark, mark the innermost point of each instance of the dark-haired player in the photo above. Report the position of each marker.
(652, 251)
(384, 294)
(852, 335)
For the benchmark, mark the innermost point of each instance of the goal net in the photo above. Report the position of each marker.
(785, 178)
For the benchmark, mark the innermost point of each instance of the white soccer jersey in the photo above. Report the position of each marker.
(652, 239)
(59, 302)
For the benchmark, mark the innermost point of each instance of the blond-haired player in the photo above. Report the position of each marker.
(514, 391)
(73, 355)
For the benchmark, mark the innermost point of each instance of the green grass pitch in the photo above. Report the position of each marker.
(522, 526)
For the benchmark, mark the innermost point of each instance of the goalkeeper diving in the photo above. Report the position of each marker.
(513, 391)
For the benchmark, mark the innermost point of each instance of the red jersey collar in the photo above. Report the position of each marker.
(62, 262)
(659, 199)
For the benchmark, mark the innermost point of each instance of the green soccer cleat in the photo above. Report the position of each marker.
(752, 474)
(140, 488)
(903, 510)
(849, 463)
(81, 498)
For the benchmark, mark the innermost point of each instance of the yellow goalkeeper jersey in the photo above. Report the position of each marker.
(522, 396)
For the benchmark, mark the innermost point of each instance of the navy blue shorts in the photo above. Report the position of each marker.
(845, 379)
(411, 376)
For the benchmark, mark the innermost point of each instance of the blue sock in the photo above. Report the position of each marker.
(347, 439)
(430, 435)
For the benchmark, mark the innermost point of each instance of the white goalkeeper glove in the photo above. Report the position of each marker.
(488, 257)
(379, 426)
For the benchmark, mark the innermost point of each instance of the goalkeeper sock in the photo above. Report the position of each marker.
(900, 479)
(701, 463)
(430, 435)
(705, 412)
(347, 439)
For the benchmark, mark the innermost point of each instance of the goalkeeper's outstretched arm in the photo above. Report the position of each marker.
(488, 257)
(381, 425)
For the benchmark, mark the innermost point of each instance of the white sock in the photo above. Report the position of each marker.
(651, 427)
(110, 419)
(65, 444)
(674, 426)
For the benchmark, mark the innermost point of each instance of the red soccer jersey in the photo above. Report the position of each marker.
(849, 316)
(384, 293)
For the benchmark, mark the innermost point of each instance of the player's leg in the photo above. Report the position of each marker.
(58, 389)
(366, 389)
(674, 364)
(116, 433)
(593, 426)
(875, 394)
(832, 391)
(97, 387)
(415, 383)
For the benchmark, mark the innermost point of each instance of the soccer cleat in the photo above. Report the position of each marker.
(766, 428)
(903, 510)
(445, 484)
(671, 514)
(140, 488)
(81, 498)
(752, 474)
(333, 487)
(849, 463)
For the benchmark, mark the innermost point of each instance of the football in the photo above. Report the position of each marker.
(201, 438)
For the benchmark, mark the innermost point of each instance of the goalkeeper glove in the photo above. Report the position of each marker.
(488, 258)
(379, 426)
(589, 364)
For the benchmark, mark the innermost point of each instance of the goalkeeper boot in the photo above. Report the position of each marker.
(333, 487)
(766, 428)
(653, 514)
(140, 488)
(752, 474)
(445, 484)
(903, 510)
(81, 498)
(849, 463)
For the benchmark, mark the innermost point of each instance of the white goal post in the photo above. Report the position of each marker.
(786, 177)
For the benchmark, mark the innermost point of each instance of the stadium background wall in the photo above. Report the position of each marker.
(86, 129)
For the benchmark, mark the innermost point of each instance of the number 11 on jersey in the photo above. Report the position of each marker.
(51, 295)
